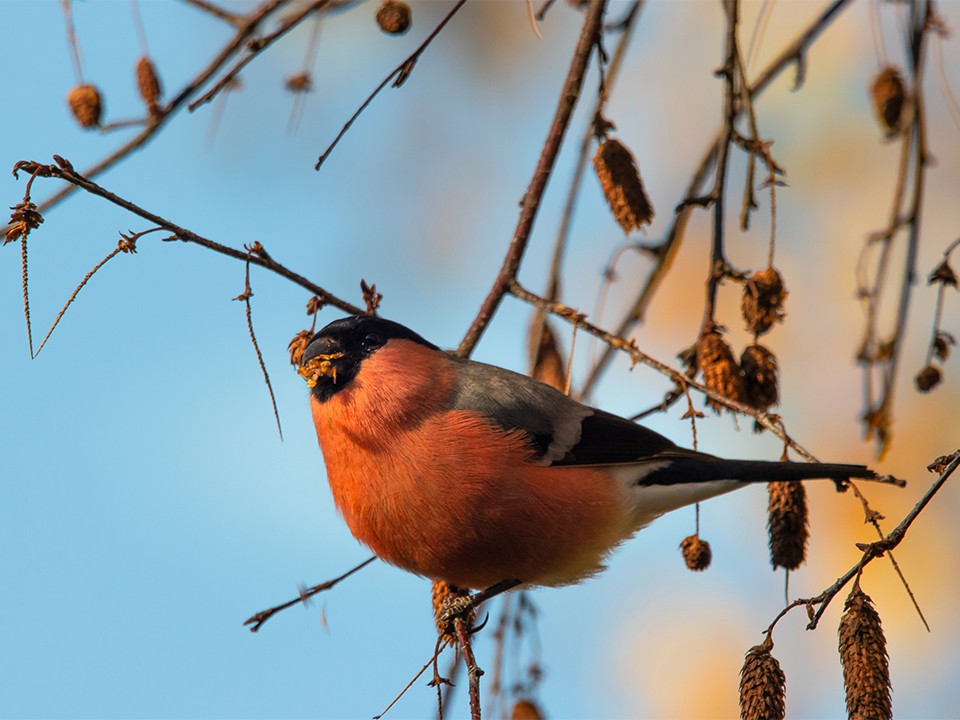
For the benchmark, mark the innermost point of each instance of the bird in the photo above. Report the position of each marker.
(487, 479)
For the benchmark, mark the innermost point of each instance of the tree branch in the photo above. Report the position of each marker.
(531, 200)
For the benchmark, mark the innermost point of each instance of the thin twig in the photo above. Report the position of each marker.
(257, 620)
(792, 53)
(246, 27)
(538, 183)
(870, 294)
(185, 235)
(216, 11)
(542, 12)
(26, 293)
(399, 76)
(878, 413)
(309, 60)
(138, 25)
(583, 155)
(127, 244)
(451, 679)
(247, 293)
(938, 311)
(255, 46)
(67, 7)
(871, 551)
(872, 517)
(409, 685)
(718, 262)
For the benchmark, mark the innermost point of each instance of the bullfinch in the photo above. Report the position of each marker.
(464, 472)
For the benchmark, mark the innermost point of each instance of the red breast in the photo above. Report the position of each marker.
(449, 495)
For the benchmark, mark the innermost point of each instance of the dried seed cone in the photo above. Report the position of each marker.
(928, 378)
(719, 368)
(525, 710)
(617, 171)
(548, 365)
(442, 591)
(86, 105)
(763, 686)
(863, 654)
(787, 523)
(393, 17)
(762, 302)
(148, 84)
(25, 217)
(298, 346)
(759, 368)
(889, 93)
(696, 553)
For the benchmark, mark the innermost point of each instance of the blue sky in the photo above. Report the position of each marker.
(148, 506)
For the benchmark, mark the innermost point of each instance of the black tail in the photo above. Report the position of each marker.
(685, 468)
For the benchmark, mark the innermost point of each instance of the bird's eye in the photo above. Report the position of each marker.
(372, 340)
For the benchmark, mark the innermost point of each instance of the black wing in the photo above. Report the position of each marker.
(607, 438)
(561, 430)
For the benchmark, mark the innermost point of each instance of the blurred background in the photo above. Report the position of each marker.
(148, 505)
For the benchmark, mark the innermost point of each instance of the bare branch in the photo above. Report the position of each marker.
(538, 183)
(78, 180)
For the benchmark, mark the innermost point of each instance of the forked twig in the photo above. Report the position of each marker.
(68, 174)
(399, 76)
(589, 35)
(870, 551)
(257, 620)
(257, 249)
(127, 244)
(409, 685)
(793, 53)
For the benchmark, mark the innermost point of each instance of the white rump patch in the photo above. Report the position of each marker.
(646, 503)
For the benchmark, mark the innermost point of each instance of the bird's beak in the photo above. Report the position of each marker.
(318, 361)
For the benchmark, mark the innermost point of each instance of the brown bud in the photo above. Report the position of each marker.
(86, 105)
(787, 523)
(24, 218)
(762, 302)
(548, 365)
(763, 686)
(525, 710)
(939, 465)
(298, 345)
(148, 84)
(371, 297)
(942, 343)
(943, 273)
(617, 171)
(719, 368)
(393, 17)
(928, 378)
(441, 592)
(889, 93)
(696, 553)
(299, 83)
(863, 654)
(314, 305)
(759, 368)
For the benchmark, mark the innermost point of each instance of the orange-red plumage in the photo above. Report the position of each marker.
(449, 495)
(481, 477)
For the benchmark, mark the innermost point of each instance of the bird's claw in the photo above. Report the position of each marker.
(455, 607)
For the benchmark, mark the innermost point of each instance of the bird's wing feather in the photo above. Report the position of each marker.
(561, 430)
